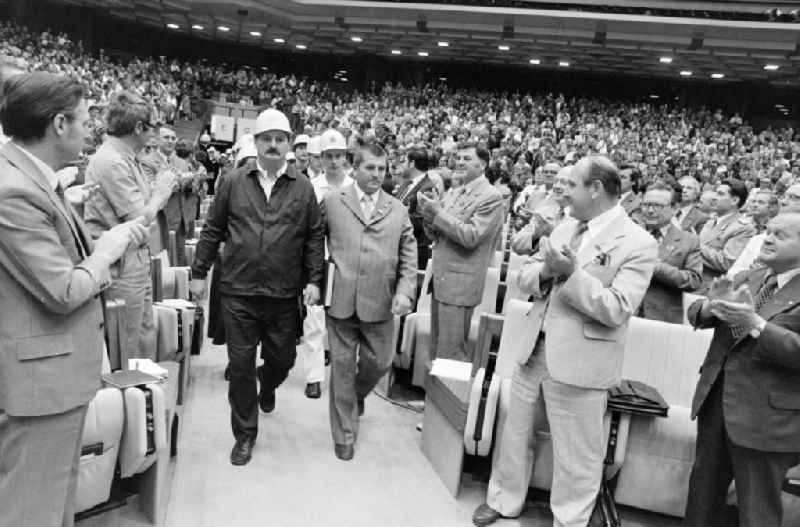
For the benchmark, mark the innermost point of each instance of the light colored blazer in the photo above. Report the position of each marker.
(586, 317)
(51, 328)
(374, 258)
(466, 232)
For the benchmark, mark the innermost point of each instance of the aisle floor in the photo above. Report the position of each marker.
(295, 480)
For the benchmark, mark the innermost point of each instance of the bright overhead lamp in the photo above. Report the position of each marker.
(356, 39)
(686, 73)
(300, 46)
(173, 26)
(422, 53)
(771, 67)
(278, 40)
(503, 47)
(396, 52)
(653, 96)
(255, 33)
(443, 44)
(779, 106)
(198, 27)
(535, 62)
(563, 63)
(443, 79)
(717, 75)
(665, 60)
(223, 28)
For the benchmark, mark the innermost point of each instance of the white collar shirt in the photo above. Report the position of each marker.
(599, 223)
(267, 182)
(368, 202)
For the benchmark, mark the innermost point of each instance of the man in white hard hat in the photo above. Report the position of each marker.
(300, 149)
(314, 150)
(312, 347)
(268, 216)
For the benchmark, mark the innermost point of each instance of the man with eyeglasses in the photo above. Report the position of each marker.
(680, 265)
(125, 194)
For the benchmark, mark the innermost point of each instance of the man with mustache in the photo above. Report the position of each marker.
(267, 215)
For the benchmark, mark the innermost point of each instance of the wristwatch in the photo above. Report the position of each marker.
(756, 331)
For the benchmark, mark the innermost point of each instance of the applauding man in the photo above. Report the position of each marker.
(372, 245)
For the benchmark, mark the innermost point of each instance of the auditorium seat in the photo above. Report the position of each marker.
(419, 320)
(100, 444)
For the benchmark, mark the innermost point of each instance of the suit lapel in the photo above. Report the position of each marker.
(604, 242)
(350, 200)
(783, 299)
(383, 207)
(21, 160)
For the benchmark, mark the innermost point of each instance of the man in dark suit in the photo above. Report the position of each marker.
(689, 217)
(372, 245)
(465, 227)
(417, 181)
(51, 277)
(680, 265)
(747, 401)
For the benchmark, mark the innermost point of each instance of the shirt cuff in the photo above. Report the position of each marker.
(759, 328)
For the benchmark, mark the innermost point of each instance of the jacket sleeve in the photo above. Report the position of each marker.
(314, 245)
(779, 345)
(696, 317)
(686, 277)
(214, 231)
(407, 261)
(614, 304)
(471, 233)
(722, 259)
(32, 253)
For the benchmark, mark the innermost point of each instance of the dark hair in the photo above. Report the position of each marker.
(675, 194)
(125, 109)
(183, 148)
(32, 100)
(371, 148)
(636, 175)
(480, 150)
(738, 190)
(603, 170)
(419, 158)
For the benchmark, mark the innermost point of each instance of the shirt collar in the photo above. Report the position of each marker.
(786, 276)
(472, 185)
(49, 173)
(360, 194)
(263, 172)
(597, 224)
(121, 146)
(727, 216)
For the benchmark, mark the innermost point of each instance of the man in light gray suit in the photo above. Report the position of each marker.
(465, 228)
(51, 277)
(372, 245)
(587, 279)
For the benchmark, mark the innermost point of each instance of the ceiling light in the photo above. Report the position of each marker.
(563, 63)
(717, 75)
(255, 33)
(356, 39)
(665, 60)
(443, 79)
(278, 40)
(653, 96)
(422, 53)
(396, 52)
(771, 67)
(343, 79)
(173, 26)
(300, 46)
(443, 44)
(535, 62)
(223, 28)
(503, 47)
(197, 27)
(686, 73)
(779, 106)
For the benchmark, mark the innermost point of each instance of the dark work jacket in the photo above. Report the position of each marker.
(272, 248)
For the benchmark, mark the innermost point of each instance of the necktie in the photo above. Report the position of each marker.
(656, 233)
(577, 236)
(763, 296)
(367, 205)
(679, 215)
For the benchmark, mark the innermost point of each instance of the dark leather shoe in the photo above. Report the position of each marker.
(360, 407)
(485, 515)
(313, 390)
(242, 452)
(344, 452)
(266, 400)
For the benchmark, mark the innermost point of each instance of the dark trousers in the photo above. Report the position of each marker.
(361, 353)
(250, 320)
(759, 475)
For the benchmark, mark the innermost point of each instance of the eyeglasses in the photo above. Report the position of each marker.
(149, 125)
(654, 206)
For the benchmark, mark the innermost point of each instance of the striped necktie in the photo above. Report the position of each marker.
(765, 293)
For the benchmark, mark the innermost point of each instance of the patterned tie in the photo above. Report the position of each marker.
(577, 236)
(765, 293)
(367, 205)
(656, 233)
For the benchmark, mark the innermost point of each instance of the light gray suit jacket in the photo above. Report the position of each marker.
(51, 328)
(374, 258)
(466, 233)
(586, 317)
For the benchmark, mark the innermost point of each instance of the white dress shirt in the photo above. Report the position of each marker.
(599, 223)
(368, 202)
(322, 186)
(266, 181)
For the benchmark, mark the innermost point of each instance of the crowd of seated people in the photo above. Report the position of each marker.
(704, 184)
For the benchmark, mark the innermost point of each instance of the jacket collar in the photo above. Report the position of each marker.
(605, 241)
(350, 199)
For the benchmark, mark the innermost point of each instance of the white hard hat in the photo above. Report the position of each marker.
(332, 140)
(205, 138)
(272, 119)
(314, 146)
(301, 139)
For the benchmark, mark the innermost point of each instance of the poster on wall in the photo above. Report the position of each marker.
(244, 126)
(222, 127)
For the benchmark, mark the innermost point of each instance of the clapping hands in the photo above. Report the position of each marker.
(557, 261)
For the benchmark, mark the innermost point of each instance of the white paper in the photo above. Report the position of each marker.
(451, 369)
